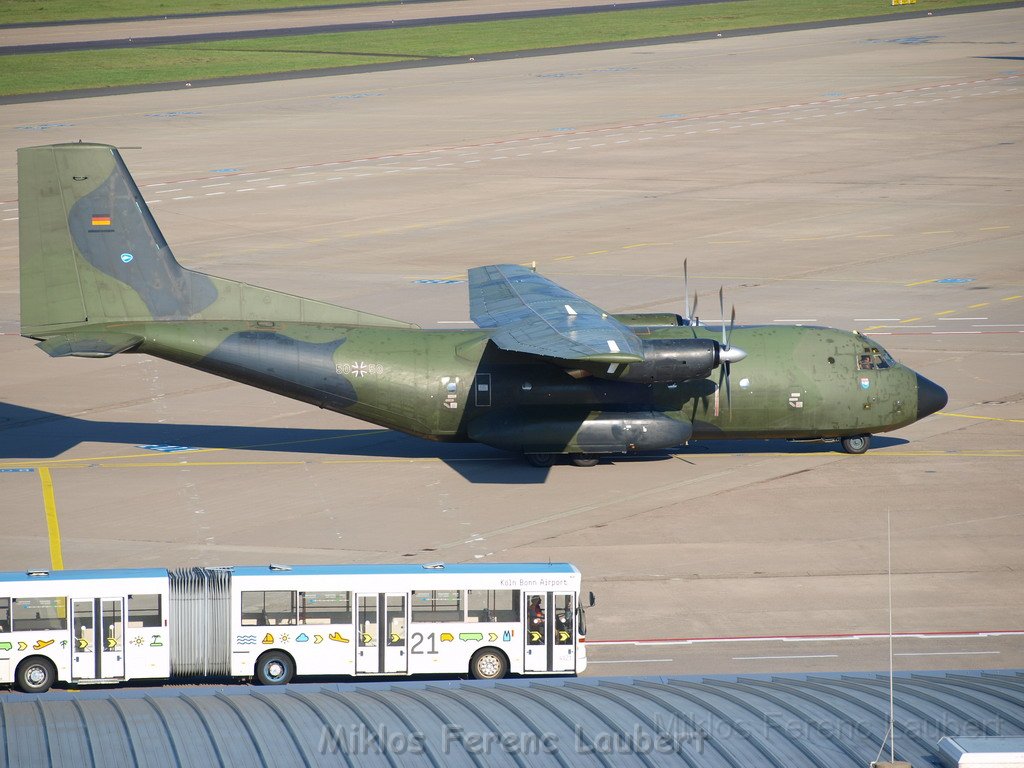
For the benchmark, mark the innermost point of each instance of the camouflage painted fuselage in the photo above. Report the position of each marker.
(97, 279)
(437, 384)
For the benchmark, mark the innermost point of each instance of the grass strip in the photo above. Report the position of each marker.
(48, 72)
(43, 11)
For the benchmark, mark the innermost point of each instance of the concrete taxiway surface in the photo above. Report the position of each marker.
(862, 177)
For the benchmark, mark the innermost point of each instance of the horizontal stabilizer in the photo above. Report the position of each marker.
(531, 314)
(89, 345)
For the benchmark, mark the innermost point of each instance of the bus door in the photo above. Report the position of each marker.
(97, 638)
(550, 632)
(381, 634)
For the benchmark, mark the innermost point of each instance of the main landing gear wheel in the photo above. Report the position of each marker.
(275, 668)
(856, 444)
(584, 459)
(540, 459)
(35, 675)
(488, 664)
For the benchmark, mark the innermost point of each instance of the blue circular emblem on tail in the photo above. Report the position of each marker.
(126, 257)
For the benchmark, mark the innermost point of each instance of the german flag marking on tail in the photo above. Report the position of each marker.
(101, 221)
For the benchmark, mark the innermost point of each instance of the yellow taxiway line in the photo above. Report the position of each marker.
(52, 526)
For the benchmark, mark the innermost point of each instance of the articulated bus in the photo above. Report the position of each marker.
(274, 622)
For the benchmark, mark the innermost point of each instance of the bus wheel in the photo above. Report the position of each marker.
(488, 664)
(36, 675)
(856, 444)
(275, 668)
(584, 459)
(540, 459)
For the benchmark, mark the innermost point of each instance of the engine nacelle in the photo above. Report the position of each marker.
(669, 360)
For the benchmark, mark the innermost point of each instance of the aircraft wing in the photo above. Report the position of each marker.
(531, 314)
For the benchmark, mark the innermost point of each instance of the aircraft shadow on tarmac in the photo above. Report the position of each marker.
(31, 434)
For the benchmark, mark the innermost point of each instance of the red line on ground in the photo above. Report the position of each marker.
(951, 633)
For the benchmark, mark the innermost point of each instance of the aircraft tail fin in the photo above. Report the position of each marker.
(91, 253)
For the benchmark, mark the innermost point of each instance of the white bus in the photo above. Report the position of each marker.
(273, 622)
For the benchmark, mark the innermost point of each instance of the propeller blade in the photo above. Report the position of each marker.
(721, 305)
(686, 292)
(728, 390)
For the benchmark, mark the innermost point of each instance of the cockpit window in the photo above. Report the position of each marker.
(874, 358)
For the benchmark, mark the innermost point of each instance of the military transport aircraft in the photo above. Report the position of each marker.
(545, 373)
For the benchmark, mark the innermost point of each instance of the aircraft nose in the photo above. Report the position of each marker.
(930, 397)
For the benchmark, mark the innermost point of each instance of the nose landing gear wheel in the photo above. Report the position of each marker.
(856, 444)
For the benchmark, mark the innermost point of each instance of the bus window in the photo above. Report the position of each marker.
(493, 604)
(395, 620)
(536, 619)
(325, 607)
(563, 620)
(437, 605)
(144, 611)
(269, 608)
(5, 614)
(367, 623)
(32, 614)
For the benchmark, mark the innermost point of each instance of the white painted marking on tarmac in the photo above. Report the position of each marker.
(876, 319)
(962, 318)
(183, 197)
(951, 653)
(999, 325)
(797, 320)
(632, 661)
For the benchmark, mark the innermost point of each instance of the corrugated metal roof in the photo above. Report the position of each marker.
(781, 720)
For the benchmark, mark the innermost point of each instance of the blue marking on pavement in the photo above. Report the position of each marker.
(17, 469)
(438, 282)
(949, 280)
(910, 40)
(563, 130)
(673, 116)
(166, 115)
(166, 448)
(349, 96)
(44, 126)
(225, 170)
